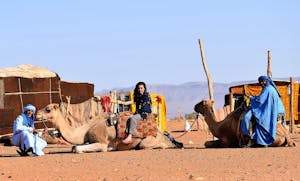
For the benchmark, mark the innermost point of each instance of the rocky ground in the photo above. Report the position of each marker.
(194, 162)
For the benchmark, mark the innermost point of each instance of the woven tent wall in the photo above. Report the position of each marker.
(28, 84)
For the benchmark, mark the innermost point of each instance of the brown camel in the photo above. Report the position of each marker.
(228, 130)
(94, 135)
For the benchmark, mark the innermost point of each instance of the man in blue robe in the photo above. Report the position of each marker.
(24, 135)
(266, 109)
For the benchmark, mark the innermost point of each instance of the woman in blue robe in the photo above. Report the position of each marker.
(24, 135)
(267, 109)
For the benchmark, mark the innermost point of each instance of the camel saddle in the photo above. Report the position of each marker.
(144, 127)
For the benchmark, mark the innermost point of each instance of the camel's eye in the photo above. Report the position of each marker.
(48, 109)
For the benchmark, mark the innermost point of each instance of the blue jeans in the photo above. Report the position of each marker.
(132, 123)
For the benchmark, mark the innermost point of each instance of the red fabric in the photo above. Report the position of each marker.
(105, 102)
(158, 99)
(144, 128)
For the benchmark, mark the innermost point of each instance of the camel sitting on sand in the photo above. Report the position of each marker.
(94, 135)
(228, 130)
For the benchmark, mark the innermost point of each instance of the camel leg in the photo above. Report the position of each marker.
(282, 130)
(94, 147)
(151, 142)
(215, 144)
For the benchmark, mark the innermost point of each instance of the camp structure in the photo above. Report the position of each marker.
(159, 106)
(28, 84)
(289, 91)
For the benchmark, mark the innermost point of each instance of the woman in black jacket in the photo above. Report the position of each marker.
(143, 104)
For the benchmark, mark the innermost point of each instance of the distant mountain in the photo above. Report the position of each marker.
(182, 98)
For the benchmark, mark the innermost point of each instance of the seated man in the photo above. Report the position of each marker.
(24, 134)
(266, 109)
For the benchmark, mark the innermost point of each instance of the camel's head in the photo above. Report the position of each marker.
(203, 106)
(49, 113)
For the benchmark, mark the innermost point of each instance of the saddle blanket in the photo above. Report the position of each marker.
(144, 128)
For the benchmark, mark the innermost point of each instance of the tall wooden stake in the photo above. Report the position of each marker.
(209, 81)
(292, 121)
(210, 86)
(269, 73)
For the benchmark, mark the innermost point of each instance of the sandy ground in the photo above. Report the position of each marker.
(192, 163)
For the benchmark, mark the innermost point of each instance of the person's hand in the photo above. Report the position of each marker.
(247, 99)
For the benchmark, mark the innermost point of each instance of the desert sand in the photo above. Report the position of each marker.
(194, 162)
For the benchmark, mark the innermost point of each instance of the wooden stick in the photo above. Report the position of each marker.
(292, 105)
(210, 87)
(269, 73)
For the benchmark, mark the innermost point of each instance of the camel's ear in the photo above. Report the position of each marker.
(56, 106)
(204, 102)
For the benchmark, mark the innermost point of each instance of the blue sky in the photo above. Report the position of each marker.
(118, 43)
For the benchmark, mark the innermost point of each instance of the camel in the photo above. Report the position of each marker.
(228, 130)
(94, 135)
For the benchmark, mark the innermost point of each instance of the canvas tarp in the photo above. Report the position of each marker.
(283, 88)
(26, 71)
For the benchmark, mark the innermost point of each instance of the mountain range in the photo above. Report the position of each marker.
(181, 98)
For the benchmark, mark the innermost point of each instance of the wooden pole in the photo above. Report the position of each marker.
(232, 103)
(209, 80)
(291, 105)
(210, 87)
(269, 73)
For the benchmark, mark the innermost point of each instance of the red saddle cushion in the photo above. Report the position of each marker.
(144, 128)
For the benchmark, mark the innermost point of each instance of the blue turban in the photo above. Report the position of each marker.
(268, 81)
(29, 107)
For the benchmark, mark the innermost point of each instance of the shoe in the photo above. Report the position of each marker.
(29, 152)
(22, 152)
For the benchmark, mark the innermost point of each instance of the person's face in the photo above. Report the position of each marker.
(263, 83)
(29, 113)
(141, 89)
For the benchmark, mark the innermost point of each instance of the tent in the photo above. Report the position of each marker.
(26, 84)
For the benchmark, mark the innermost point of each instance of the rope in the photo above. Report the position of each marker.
(279, 134)
(98, 109)
(186, 131)
(28, 93)
(59, 91)
(90, 108)
(50, 97)
(68, 105)
(20, 91)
